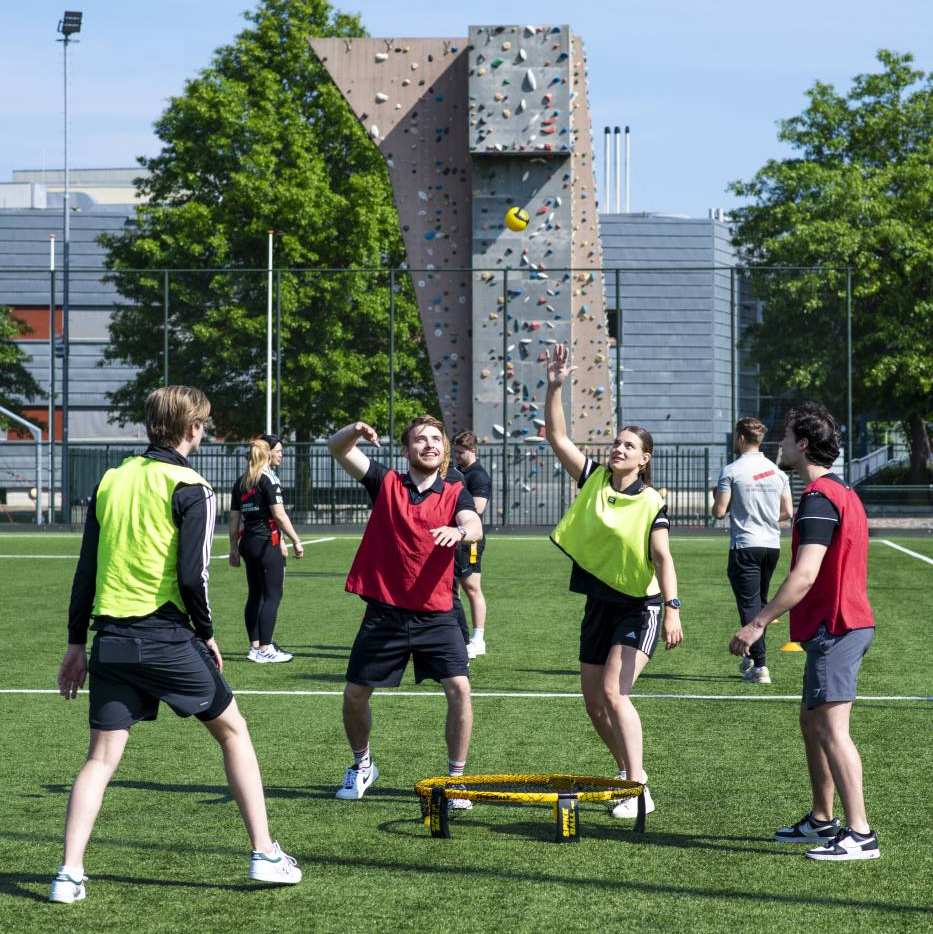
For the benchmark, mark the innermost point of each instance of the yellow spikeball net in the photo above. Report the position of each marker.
(563, 792)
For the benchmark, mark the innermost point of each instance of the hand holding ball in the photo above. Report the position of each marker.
(516, 219)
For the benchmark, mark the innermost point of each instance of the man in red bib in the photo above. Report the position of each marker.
(404, 570)
(826, 593)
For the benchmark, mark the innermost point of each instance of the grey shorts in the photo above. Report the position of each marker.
(832, 666)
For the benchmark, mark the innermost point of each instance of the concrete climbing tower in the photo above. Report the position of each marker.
(470, 128)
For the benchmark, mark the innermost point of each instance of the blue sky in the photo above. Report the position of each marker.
(701, 82)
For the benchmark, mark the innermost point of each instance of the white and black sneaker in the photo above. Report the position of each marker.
(808, 830)
(276, 867)
(847, 844)
(67, 889)
(356, 781)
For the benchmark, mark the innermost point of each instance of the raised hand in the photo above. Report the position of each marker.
(368, 433)
(557, 365)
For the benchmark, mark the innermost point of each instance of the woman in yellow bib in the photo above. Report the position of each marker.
(616, 533)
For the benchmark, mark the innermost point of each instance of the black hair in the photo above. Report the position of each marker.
(812, 422)
(271, 440)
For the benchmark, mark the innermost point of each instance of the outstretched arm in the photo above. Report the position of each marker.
(343, 447)
(555, 428)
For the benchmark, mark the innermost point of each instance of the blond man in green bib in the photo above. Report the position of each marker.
(616, 534)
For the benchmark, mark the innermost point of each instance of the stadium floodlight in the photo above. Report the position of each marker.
(70, 23)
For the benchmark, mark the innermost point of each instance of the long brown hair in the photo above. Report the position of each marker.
(647, 445)
(260, 456)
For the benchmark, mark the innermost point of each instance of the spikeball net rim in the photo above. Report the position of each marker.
(594, 788)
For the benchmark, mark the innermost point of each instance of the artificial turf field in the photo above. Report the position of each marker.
(169, 852)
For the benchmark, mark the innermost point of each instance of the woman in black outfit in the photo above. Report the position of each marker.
(257, 514)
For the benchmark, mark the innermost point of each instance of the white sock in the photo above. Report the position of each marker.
(455, 769)
(73, 872)
(362, 758)
(479, 635)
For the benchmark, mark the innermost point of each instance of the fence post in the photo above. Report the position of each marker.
(391, 365)
(278, 353)
(505, 396)
(333, 491)
(618, 354)
(706, 516)
(165, 327)
(850, 427)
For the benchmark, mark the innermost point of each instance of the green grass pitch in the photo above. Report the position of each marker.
(169, 852)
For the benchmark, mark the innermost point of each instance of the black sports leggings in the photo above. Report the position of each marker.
(265, 575)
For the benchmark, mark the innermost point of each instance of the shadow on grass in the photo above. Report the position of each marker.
(331, 648)
(13, 883)
(326, 677)
(292, 572)
(725, 679)
(220, 794)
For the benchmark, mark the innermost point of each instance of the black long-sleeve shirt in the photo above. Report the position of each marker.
(194, 510)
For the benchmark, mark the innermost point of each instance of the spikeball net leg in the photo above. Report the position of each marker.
(563, 793)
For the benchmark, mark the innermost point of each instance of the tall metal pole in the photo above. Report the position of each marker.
(628, 170)
(269, 340)
(391, 365)
(66, 261)
(51, 378)
(617, 136)
(278, 353)
(733, 361)
(165, 300)
(607, 171)
(618, 353)
(505, 396)
(850, 430)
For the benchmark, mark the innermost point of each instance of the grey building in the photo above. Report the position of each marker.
(684, 378)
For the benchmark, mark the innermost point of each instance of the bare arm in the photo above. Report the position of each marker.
(481, 503)
(787, 506)
(284, 523)
(721, 503)
(796, 586)
(447, 535)
(343, 447)
(663, 562)
(555, 428)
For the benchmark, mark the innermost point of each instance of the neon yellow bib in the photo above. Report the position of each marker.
(137, 555)
(607, 533)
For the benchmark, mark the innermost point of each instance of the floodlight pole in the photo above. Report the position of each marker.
(51, 518)
(850, 432)
(269, 340)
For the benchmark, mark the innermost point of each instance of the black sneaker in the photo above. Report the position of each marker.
(808, 830)
(847, 844)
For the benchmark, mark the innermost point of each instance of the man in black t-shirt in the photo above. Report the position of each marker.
(468, 560)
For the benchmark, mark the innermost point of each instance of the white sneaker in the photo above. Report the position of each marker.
(66, 890)
(459, 804)
(356, 781)
(745, 664)
(272, 655)
(476, 647)
(757, 675)
(276, 867)
(627, 808)
(252, 653)
(847, 844)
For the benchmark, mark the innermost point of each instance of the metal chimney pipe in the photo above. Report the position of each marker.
(628, 167)
(607, 173)
(618, 167)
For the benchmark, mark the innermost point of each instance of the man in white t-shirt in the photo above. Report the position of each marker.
(756, 494)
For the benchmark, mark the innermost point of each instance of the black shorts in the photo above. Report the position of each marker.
(468, 558)
(607, 624)
(388, 637)
(129, 676)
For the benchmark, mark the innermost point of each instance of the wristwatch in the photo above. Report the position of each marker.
(673, 603)
(462, 532)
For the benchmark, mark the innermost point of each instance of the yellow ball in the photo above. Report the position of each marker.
(516, 219)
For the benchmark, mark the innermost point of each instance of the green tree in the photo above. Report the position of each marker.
(261, 139)
(16, 382)
(858, 192)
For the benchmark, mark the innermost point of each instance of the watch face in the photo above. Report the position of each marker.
(674, 604)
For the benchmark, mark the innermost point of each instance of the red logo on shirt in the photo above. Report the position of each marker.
(761, 476)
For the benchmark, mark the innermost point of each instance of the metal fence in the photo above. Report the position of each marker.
(530, 488)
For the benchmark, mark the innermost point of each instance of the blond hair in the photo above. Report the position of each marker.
(171, 411)
(431, 422)
(260, 456)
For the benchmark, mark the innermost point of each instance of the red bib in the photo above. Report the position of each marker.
(839, 596)
(397, 561)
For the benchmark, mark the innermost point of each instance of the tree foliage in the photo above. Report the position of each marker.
(858, 192)
(16, 382)
(262, 140)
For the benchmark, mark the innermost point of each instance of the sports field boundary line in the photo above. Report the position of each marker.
(531, 695)
(907, 551)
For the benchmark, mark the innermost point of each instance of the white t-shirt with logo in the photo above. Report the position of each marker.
(757, 485)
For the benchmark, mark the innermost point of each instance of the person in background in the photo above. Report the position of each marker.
(756, 494)
(257, 520)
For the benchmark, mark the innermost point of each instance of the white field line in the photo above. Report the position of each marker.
(907, 551)
(531, 695)
(221, 554)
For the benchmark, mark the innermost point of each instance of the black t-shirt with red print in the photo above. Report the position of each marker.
(255, 504)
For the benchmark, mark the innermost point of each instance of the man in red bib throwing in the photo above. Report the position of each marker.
(404, 570)
(826, 593)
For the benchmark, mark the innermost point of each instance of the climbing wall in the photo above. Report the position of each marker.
(468, 129)
(411, 96)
